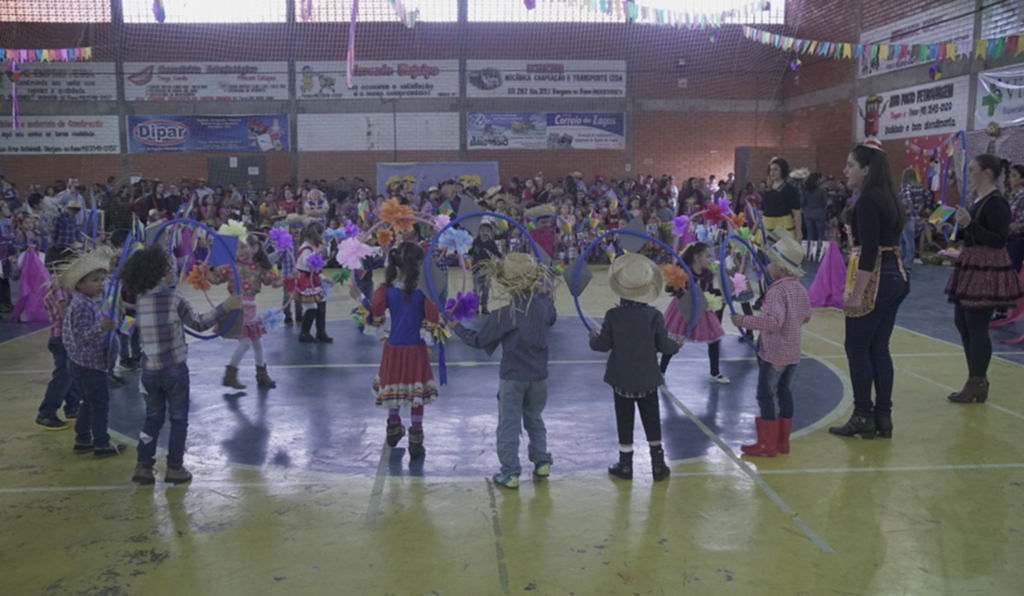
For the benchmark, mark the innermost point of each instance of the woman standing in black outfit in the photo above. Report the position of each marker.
(781, 203)
(983, 278)
(879, 287)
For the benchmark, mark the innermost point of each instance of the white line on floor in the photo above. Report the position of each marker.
(891, 469)
(769, 491)
(948, 388)
(373, 509)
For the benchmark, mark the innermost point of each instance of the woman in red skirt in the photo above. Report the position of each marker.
(984, 278)
(404, 378)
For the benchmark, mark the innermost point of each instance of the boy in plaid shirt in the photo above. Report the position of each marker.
(60, 389)
(786, 310)
(161, 315)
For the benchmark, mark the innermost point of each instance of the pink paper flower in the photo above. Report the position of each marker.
(441, 221)
(351, 253)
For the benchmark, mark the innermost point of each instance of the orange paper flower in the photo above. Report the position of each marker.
(401, 217)
(740, 220)
(384, 237)
(675, 277)
(198, 277)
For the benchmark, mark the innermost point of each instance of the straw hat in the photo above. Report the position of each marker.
(295, 218)
(577, 175)
(787, 253)
(491, 192)
(635, 277)
(540, 210)
(84, 264)
(873, 143)
(73, 206)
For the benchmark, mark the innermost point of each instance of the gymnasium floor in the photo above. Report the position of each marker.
(295, 493)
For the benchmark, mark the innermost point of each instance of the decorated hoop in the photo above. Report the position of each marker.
(234, 268)
(962, 181)
(112, 293)
(579, 267)
(727, 290)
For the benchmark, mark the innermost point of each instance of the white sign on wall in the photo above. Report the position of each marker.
(931, 109)
(951, 22)
(544, 79)
(64, 81)
(1000, 97)
(52, 135)
(417, 131)
(377, 80)
(205, 81)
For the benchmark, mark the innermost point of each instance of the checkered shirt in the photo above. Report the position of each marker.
(786, 309)
(55, 294)
(84, 341)
(161, 316)
(65, 230)
(1017, 208)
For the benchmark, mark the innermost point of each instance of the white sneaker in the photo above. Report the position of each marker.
(720, 379)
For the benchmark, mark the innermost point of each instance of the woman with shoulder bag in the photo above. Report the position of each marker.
(876, 285)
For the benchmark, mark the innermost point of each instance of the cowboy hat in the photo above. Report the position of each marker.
(518, 273)
(83, 265)
(492, 191)
(635, 277)
(786, 253)
(577, 175)
(295, 218)
(873, 143)
(73, 205)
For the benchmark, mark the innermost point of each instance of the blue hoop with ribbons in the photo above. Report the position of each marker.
(114, 283)
(726, 290)
(234, 268)
(689, 274)
(963, 184)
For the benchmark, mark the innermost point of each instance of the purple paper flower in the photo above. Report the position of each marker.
(463, 307)
(282, 238)
(680, 225)
(725, 204)
(315, 262)
(351, 229)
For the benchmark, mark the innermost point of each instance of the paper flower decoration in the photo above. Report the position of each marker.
(342, 278)
(315, 262)
(272, 319)
(725, 204)
(351, 229)
(335, 234)
(675, 277)
(716, 213)
(401, 217)
(680, 225)
(198, 278)
(441, 221)
(795, 65)
(463, 306)
(384, 237)
(739, 220)
(935, 72)
(739, 283)
(234, 228)
(714, 301)
(281, 238)
(703, 234)
(715, 266)
(351, 253)
(745, 233)
(456, 241)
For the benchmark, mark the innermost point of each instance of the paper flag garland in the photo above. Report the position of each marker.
(8, 55)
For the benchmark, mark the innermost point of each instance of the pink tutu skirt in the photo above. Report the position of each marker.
(674, 322)
(708, 329)
(254, 328)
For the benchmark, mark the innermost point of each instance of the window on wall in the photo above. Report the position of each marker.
(55, 11)
(430, 11)
(746, 12)
(208, 11)
(568, 11)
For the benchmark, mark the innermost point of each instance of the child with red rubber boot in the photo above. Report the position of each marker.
(785, 311)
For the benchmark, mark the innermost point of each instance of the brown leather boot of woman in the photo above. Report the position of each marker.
(976, 390)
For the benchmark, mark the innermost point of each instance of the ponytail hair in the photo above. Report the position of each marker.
(404, 262)
(992, 163)
(259, 256)
(690, 252)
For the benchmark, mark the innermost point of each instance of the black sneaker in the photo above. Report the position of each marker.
(82, 448)
(288, 320)
(110, 450)
(307, 338)
(71, 413)
(129, 364)
(115, 381)
(51, 423)
(324, 338)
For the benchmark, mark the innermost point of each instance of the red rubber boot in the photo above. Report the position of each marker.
(767, 439)
(785, 427)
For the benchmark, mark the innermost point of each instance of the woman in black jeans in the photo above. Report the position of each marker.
(880, 285)
(984, 277)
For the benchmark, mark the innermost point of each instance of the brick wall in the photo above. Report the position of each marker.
(827, 127)
(43, 170)
(330, 165)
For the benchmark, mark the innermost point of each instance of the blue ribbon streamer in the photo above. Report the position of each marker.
(727, 290)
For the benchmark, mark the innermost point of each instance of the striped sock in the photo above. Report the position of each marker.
(417, 417)
(393, 417)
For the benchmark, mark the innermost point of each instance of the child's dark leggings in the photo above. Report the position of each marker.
(317, 313)
(650, 417)
(714, 352)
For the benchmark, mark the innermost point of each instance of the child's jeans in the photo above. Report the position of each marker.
(520, 404)
(60, 389)
(365, 285)
(167, 397)
(91, 425)
(134, 343)
(774, 382)
(482, 289)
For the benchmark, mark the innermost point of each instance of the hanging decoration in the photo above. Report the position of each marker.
(633, 11)
(306, 13)
(158, 11)
(350, 60)
(8, 55)
(795, 65)
(946, 147)
(935, 72)
(14, 73)
(409, 17)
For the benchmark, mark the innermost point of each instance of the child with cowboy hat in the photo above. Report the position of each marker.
(521, 328)
(786, 310)
(85, 331)
(634, 332)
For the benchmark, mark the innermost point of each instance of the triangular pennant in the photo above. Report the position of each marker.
(685, 305)
(859, 52)
(466, 206)
(981, 49)
(847, 50)
(1011, 45)
(883, 51)
(629, 242)
(439, 277)
(586, 275)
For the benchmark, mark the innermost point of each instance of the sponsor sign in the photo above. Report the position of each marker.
(542, 79)
(931, 109)
(64, 81)
(1000, 97)
(561, 130)
(384, 80)
(205, 81)
(208, 134)
(53, 135)
(376, 132)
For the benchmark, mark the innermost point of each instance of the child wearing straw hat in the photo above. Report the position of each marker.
(634, 332)
(521, 329)
(85, 331)
(786, 310)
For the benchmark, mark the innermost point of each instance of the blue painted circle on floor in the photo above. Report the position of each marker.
(322, 418)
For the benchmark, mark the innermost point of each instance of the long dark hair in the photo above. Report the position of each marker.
(783, 168)
(691, 252)
(812, 182)
(996, 165)
(404, 261)
(314, 233)
(879, 185)
(259, 256)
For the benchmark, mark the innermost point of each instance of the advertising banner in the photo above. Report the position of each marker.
(531, 130)
(542, 79)
(51, 135)
(64, 81)
(384, 80)
(953, 22)
(1000, 97)
(208, 134)
(931, 109)
(483, 174)
(205, 81)
(431, 131)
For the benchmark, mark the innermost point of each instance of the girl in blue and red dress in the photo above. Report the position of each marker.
(404, 378)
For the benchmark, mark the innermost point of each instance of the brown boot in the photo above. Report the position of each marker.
(263, 379)
(231, 378)
(976, 390)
